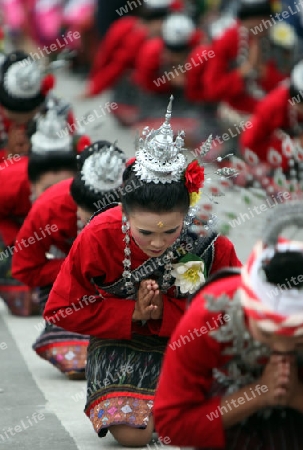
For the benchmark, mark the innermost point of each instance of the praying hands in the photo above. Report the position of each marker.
(149, 304)
(284, 387)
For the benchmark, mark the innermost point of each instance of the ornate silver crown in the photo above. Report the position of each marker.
(103, 170)
(23, 79)
(52, 133)
(159, 158)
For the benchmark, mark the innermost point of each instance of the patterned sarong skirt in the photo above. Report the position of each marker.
(20, 299)
(65, 350)
(122, 377)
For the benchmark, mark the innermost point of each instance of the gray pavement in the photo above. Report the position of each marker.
(32, 385)
(25, 419)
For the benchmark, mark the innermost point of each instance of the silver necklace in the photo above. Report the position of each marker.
(169, 255)
(130, 289)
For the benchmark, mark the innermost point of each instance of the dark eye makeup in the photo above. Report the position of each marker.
(147, 233)
(171, 231)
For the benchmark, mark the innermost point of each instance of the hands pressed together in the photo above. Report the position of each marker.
(284, 387)
(149, 303)
(278, 386)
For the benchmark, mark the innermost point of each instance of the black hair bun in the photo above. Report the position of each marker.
(128, 172)
(284, 266)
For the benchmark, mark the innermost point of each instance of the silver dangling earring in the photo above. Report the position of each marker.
(127, 257)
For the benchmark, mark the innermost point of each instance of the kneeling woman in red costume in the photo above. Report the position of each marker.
(62, 211)
(232, 377)
(52, 159)
(134, 255)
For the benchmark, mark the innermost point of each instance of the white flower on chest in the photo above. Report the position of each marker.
(189, 274)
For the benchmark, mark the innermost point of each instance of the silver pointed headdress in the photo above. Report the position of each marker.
(103, 170)
(52, 133)
(160, 158)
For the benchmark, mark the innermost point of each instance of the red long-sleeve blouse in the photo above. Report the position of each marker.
(98, 252)
(182, 403)
(272, 114)
(147, 72)
(117, 54)
(225, 84)
(150, 77)
(198, 59)
(118, 30)
(14, 198)
(52, 221)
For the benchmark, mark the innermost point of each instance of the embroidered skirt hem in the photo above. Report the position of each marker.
(122, 377)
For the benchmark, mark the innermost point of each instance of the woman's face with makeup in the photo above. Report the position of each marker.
(154, 233)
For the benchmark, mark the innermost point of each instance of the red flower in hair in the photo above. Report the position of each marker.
(83, 142)
(130, 161)
(194, 177)
(177, 6)
(48, 83)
